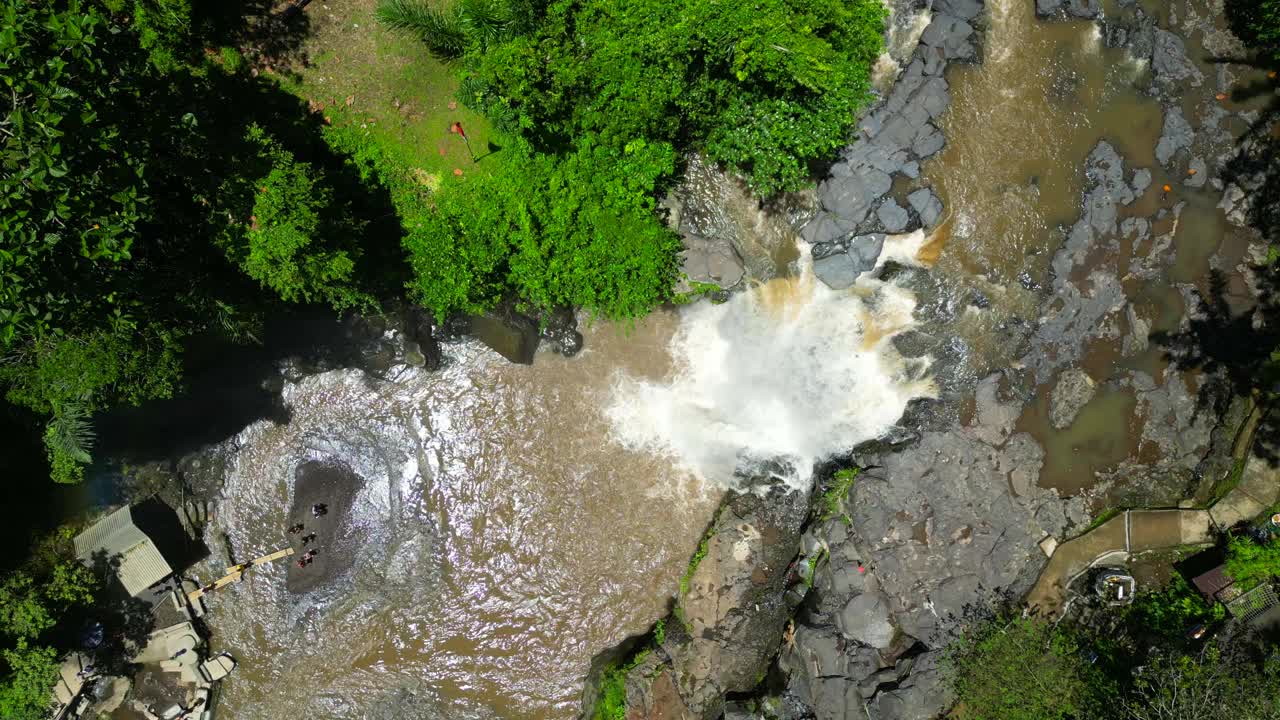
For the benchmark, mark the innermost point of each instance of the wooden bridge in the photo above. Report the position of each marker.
(236, 572)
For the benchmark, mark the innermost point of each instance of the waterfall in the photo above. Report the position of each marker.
(787, 371)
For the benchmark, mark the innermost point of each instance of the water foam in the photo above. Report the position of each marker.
(777, 378)
(903, 36)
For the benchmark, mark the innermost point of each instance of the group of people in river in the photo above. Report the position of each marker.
(317, 511)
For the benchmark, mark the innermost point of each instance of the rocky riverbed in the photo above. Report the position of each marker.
(1095, 399)
(496, 541)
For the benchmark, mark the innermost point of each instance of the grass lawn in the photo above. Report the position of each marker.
(362, 75)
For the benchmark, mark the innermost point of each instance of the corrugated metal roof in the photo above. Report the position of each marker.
(141, 564)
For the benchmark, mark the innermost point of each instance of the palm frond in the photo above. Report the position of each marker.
(486, 21)
(441, 31)
(70, 432)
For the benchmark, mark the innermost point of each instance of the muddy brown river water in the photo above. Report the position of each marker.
(500, 539)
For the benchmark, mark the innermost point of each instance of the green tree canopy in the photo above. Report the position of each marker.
(147, 193)
(1024, 668)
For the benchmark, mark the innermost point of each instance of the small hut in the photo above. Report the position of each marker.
(141, 564)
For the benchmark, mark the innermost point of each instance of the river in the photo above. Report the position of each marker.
(509, 522)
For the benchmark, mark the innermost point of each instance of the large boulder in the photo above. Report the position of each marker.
(1169, 60)
(710, 261)
(839, 264)
(866, 619)
(927, 206)
(737, 604)
(730, 615)
(893, 217)
(850, 197)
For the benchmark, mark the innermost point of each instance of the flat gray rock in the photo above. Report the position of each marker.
(1175, 136)
(927, 206)
(824, 228)
(836, 271)
(963, 9)
(1169, 59)
(712, 261)
(929, 141)
(851, 197)
(865, 250)
(893, 216)
(866, 619)
(951, 34)
(1141, 181)
(1074, 390)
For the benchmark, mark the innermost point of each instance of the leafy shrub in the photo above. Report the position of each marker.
(33, 601)
(577, 231)
(290, 246)
(1250, 563)
(1172, 610)
(833, 499)
(1024, 668)
(765, 87)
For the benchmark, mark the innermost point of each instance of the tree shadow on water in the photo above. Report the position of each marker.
(1238, 352)
(1235, 352)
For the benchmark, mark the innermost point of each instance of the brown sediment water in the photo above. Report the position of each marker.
(1102, 435)
(499, 541)
(512, 521)
(1018, 129)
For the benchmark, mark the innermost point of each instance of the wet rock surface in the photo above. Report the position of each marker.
(709, 261)
(335, 487)
(730, 614)
(839, 263)
(1074, 390)
(957, 514)
(894, 138)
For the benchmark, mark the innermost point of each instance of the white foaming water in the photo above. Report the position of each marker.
(788, 371)
(1093, 39)
(903, 36)
(998, 38)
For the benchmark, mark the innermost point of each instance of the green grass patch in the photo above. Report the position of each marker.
(833, 499)
(612, 703)
(368, 78)
(696, 560)
(1228, 483)
(812, 564)
(1103, 516)
(699, 290)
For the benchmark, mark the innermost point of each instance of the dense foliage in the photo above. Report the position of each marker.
(34, 601)
(1171, 611)
(1205, 686)
(1010, 668)
(1250, 563)
(765, 87)
(1257, 22)
(140, 203)
(601, 99)
(1016, 668)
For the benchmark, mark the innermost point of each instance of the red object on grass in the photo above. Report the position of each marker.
(457, 128)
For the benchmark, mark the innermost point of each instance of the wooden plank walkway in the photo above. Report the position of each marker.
(235, 573)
